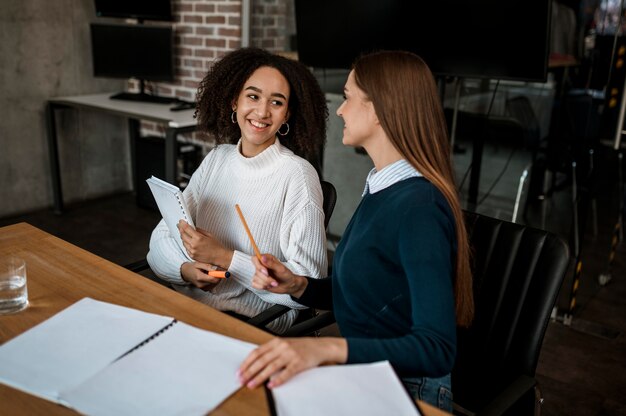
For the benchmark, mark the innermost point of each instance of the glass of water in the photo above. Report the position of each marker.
(13, 292)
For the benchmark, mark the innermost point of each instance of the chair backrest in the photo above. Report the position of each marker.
(330, 199)
(518, 272)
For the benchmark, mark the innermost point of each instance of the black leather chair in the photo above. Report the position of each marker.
(518, 272)
(262, 319)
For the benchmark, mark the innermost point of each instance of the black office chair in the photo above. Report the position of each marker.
(518, 272)
(264, 318)
(517, 275)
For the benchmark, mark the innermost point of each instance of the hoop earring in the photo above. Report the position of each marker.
(233, 118)
(285, 133)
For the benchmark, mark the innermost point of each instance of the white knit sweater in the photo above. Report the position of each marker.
(280, 196)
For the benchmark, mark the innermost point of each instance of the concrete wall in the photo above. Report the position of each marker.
(45, 52)
(344, 168)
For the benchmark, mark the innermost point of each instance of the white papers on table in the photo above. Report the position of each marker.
(73, 345)
(183, 371)
(166, 367)
(354, 389)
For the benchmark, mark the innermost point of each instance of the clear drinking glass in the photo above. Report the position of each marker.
(13, 292)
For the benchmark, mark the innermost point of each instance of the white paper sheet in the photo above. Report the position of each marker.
(355, 389)
(183, 371)
(73, 345)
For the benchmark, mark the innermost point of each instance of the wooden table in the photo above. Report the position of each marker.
(60, 274)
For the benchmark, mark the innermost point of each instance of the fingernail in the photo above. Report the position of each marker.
(270, 385)
(251, 384)
(274, 284)
(265, 272)
(238, 374)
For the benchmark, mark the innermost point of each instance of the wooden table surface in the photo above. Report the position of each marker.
(60, 274)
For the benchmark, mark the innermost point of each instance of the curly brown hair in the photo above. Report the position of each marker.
(307, 105)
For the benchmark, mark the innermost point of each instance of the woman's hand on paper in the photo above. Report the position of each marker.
(275, 277)
(196, 273)
(203, 247)
(282, 358)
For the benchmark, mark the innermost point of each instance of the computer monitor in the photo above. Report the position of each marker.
(135, 9)
(466, 38)
(133, 51)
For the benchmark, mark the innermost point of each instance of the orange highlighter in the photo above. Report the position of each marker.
(220, 274)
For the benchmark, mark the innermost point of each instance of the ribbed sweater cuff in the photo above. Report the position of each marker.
(242, 268)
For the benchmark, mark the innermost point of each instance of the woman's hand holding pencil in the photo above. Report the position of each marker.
(275, 277)
(281, 280)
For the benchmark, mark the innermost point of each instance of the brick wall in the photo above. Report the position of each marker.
(207, 29)
(271, 23)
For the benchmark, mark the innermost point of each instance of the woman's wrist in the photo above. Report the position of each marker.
(224, 259)
(299, 285)
(182, 273)
(336, 350)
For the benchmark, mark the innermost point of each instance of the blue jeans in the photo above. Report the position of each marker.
(434, 391)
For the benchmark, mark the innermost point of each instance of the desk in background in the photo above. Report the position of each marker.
(177, 122)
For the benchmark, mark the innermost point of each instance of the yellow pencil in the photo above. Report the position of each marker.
(245, 225)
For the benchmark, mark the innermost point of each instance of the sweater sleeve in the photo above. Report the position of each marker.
(165, 256)
(318, 294)
(425, 247)
(304, 248)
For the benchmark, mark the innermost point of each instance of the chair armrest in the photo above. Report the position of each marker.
(268, 316)
(507, 398)
(311, 325)
(138, 266)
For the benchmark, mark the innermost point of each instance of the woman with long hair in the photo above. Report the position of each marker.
(401, 280)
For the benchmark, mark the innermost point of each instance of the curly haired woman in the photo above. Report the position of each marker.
(268, 116)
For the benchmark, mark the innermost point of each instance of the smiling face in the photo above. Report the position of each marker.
(357, 112)
(262, 107)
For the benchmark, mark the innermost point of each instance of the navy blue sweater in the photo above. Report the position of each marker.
(392, 291)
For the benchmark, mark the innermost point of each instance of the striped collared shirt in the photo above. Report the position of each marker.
(389, 175)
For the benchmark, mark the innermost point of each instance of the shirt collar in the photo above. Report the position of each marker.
(389, 175)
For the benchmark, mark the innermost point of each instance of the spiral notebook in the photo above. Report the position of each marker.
(104, 359)
(171, 204)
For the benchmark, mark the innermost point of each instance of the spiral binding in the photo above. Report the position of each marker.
(182, 208)
(153, 336)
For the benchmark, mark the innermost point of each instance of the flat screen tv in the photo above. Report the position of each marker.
(135, 9)
(468, 38)
(134, 51)
(127, 51)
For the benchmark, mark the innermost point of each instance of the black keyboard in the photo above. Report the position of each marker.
(146, 98)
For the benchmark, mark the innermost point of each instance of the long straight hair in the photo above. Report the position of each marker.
(405, 98)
